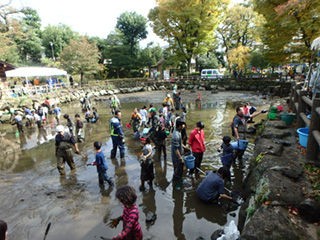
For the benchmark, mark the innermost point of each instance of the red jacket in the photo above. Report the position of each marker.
(196, 141)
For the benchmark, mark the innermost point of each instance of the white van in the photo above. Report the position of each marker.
(211, 74)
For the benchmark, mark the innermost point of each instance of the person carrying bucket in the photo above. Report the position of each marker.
(238, 128)
(197, 145)
(176, 155)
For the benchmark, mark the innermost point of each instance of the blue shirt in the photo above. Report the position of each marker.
(210, 187)
(101, 162)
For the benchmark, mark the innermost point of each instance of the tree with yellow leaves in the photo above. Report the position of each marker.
(187, 25)
(239, 57)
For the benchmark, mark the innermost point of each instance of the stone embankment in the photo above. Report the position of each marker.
(278, 203)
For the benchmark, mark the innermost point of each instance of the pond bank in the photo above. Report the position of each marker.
(278, 204)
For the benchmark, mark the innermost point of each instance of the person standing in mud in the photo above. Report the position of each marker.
(176, 155)
(135, 120)
(18, 121)
(69, 123)
(79, 128)
(154, 123)
(117, 135)
(102, 166)
(197, 144)
(64, 143)
(238, 128)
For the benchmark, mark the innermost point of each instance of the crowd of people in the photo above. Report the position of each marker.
(152, 127)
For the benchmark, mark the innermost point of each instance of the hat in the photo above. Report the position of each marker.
(168, 95)
(60, 128)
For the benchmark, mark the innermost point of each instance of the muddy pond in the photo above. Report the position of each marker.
(32, 193)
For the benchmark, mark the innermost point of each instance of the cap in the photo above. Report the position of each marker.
(60, 128)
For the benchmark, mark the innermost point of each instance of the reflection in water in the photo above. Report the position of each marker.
(121, 177)
(178, 216)
(149, 207)
(161, 180)
(76, 199)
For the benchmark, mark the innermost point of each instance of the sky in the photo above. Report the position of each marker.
(90, 17)
(93, 17)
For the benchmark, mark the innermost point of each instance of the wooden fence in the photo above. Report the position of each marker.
(302, 104)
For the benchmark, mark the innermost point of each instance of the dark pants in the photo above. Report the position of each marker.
(177, 171)
(65, 157)
(161, 147)
(102, 176)
(117, 142)
(197, 163)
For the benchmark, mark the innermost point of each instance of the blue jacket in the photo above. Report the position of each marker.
(116, 127)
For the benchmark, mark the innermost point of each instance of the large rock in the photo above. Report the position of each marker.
(272, 223)
(309, 210)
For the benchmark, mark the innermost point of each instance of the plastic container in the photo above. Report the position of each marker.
(287, 117)
(272, 116)
(303, 136)
(239, 145)
(189, 161)
(273, 109)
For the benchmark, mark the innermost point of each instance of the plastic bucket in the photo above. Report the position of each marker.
(288, 118)
(239, 145)
(303, 136)
(272, 116)
(189, 161)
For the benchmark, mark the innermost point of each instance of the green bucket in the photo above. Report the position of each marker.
(288, 117)
(272, 116)
(273, 109)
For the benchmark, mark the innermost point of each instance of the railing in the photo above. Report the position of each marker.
(17, 91)
(301, 104)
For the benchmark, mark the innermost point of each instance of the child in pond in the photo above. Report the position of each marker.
(147, 172)
(227, 155)
(130, 216)
(101, 164)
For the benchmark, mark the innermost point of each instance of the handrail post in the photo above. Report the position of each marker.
(313, 147)
(301, 108)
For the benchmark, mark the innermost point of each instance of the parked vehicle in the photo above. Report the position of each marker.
(211, 74)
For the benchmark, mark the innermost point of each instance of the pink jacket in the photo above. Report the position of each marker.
(196, 141)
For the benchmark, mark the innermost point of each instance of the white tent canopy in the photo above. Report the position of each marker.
(35, 72)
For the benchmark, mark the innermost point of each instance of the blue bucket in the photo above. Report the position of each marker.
(189, 161)
(303, 136)
(239, 145)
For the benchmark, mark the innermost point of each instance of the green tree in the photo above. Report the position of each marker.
(133, 28)
(55, 38)
(80, 57)
(241, 27)
(116, 55)
(187, 25)
(26, 34)
(8, 49)
(150, 55)
(290, 27)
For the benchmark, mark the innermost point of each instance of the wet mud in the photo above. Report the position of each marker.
(32, 193)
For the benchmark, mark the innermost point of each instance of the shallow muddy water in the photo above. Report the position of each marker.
(33, 194)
